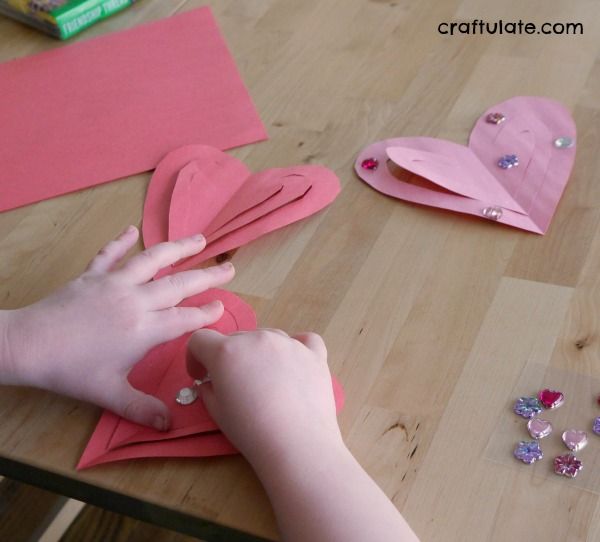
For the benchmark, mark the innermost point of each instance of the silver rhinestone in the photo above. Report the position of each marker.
(493, 213)
(186, 396)
(564, 142)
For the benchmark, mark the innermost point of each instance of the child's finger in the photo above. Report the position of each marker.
(112, 253)
(172, 289)
(313, 342)
(143, 266)
(205, 347)
(176, 321)
(137, 406)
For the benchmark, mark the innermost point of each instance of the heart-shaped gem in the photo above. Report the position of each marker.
(539, 428)
(551, 398)
(575, 439)
(468, 178)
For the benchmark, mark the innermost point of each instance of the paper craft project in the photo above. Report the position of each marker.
(513, 171)
(199, 189)
(113, 106)
(163, 373)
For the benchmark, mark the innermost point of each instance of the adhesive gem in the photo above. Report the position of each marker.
(596, 426)
(493, 213)
(567, 465)
(508, 160)
(539, 428)
(551, 398)
(495, 118)
(574, 439)
(527, 407)
(186, 396)
(564, 142)
(370, 163)
(528, 451)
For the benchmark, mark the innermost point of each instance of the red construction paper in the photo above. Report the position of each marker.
(113, 106)
(163, 373)
(199, 189)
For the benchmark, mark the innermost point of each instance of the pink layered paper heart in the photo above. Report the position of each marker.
(469, 179)
(163, 373)
(199, 189)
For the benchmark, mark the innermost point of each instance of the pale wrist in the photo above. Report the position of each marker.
(298, 457)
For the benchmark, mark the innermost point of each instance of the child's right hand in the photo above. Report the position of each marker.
(269, 393)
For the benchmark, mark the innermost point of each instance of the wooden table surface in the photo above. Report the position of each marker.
(434, 321)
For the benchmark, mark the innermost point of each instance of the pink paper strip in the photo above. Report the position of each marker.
(113, 106)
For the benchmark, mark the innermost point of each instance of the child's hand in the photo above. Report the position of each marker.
(82, 340)
(269, 393)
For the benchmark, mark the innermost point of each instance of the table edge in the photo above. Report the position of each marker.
(123, 504)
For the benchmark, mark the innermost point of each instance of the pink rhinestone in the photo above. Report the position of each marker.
(567, 465)
(495, 118)
(370, 163)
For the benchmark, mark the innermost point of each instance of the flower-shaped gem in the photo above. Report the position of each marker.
(596, 426)
(370, 163)
(528, 451)
(495, 118)
(508, 160)
(567, 465)
(528, 407)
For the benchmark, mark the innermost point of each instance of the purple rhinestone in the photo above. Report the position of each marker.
(596, 427)
(508, 160)
(528, 407)
(528, 451)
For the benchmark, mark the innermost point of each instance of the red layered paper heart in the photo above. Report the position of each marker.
(199, 189)
(163, 373)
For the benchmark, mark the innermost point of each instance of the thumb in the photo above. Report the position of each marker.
(139, 407)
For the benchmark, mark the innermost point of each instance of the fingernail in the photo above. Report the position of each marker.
(215, 304)
(160, 423)
(226, 266)
(128, 229)
(199, 238)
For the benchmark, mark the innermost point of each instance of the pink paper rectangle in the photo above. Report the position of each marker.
(113, 106)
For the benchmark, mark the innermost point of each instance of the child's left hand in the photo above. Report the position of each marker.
(82, 340)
